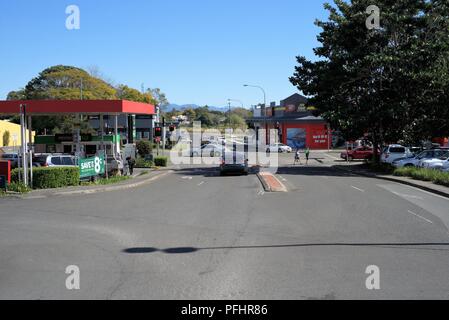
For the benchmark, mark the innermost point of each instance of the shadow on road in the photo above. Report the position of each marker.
(406, 246)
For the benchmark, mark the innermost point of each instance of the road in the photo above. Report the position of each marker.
(196, 235)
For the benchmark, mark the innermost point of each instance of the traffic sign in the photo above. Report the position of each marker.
(90, 167)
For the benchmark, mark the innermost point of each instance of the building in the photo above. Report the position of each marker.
(295, 124)
(15, 135)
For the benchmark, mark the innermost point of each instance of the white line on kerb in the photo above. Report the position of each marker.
(361, 190)
(421, 217)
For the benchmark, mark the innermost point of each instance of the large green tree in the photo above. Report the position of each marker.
(376, 81)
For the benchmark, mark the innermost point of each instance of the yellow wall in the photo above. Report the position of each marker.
(14, 132)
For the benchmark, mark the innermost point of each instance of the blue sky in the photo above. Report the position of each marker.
(196, 51)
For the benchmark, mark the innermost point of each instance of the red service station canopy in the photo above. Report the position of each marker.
(95, 107)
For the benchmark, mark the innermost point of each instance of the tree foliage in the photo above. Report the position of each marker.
(71, 83)
(390, 82)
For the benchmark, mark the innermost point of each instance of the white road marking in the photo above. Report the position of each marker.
(261, 193)
(187, 178)
(421, 217)
(201, 183)
(407, 195)
(361, 190)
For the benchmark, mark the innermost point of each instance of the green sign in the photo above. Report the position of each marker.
(90, 167)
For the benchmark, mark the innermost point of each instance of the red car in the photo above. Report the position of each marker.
(360, 153)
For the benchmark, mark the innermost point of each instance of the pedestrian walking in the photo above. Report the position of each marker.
(131, 164)
(297, 157)
(307, 154)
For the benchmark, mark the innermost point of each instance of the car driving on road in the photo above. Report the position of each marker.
(234, 162)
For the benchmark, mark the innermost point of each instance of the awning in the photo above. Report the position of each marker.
(64, 107)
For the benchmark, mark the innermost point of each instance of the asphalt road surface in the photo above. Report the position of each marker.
(196, 235)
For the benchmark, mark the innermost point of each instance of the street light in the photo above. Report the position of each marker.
(264, 94)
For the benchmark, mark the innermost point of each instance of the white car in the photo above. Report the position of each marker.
(414, 161)
(208, 150)
(279, 147)
(394, 152)
(439, 164)
(439, 156)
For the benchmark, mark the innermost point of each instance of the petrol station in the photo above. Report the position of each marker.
(107, 144)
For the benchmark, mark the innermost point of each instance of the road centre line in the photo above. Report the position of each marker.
(421, 217)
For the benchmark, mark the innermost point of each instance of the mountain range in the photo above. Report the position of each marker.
(173, 106)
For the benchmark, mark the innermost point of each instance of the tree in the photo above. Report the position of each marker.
(68, 83)
(143, 148)
(6, 138)
(71, 83)
(375, 81)
(126, 93)
(159, 98)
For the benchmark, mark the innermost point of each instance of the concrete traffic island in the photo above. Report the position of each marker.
(271, 183)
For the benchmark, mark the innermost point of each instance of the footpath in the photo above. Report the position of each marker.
(141, 177)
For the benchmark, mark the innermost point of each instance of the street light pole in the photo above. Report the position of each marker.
(259, 87)
(264, 104)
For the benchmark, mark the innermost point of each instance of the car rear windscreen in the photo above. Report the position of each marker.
(397, 150)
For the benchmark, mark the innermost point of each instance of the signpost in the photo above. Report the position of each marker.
(90, 167)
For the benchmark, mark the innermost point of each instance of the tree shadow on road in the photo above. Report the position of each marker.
(385, 245)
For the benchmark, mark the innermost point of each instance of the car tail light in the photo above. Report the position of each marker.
(45, 164)
(387, 155)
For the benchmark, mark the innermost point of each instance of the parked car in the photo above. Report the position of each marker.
(414, 161)
(279, 147)
(58, 160)
(393, 152)
(438, 155)
(360, 153)
(234, 162)
(436, 163)
(12, 157)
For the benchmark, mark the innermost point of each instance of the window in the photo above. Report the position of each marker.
(56, 161)
(397, 150)
(67, 161)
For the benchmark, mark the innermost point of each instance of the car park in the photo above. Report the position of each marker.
(360, 153)
(394, 152)
(279, 147)
(234, 162)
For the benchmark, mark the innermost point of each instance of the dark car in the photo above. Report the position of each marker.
(234, 162)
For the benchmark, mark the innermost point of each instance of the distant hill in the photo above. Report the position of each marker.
(173, 106)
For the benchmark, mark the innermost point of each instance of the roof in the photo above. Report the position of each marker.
(55, 107)
(287, 119)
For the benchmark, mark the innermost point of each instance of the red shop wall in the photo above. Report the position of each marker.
(316, 134)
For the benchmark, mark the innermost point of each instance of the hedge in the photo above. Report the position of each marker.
(161, 161)
(51, 177)
(436, 176)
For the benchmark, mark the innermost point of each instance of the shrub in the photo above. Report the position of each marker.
(142, 163)
(51, 177)
(18, 187)
(143, 148)
(437, 177)
(161, 161)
